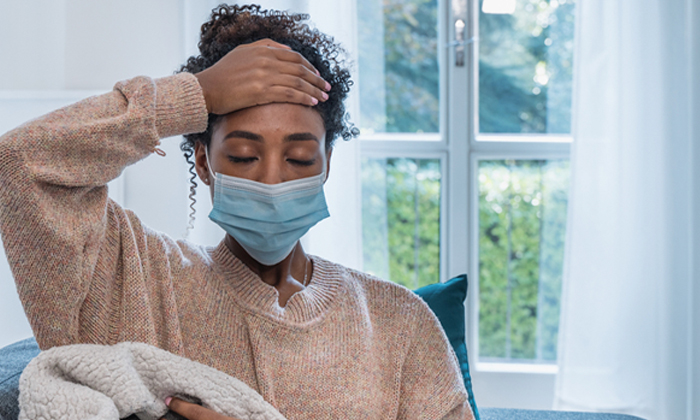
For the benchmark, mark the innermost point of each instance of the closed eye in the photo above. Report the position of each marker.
(301, 162)
(239, 159)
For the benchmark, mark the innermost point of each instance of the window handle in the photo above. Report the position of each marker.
(459, 42)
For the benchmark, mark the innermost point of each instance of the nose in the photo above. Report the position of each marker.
(271, 173)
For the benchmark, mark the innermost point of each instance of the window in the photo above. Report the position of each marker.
(401, 219)
(525, 61)
(466, 126)
(402, 140)
(522, 221)
(399, 66)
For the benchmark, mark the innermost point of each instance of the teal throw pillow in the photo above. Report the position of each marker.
(447, 302)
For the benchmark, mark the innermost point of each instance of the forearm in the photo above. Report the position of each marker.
(54, 217)
(89, 143)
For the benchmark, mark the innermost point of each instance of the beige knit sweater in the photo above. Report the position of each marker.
(349, 346)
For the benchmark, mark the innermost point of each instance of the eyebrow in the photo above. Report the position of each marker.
(243, 135)
(257, 137)
(301, 137)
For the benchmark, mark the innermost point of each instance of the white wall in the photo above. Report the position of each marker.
(32, 44)
(58, 51)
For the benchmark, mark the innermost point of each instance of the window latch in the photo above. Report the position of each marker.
(459, 42)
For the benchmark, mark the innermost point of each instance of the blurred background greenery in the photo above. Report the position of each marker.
(522, 224)
(401, 220)
(525, 68)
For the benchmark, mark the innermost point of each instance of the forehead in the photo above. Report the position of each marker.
(272, 122)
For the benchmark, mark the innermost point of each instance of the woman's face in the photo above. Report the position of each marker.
(270, 143)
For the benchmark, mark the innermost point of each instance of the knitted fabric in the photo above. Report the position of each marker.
(87, 271)
(113, 382)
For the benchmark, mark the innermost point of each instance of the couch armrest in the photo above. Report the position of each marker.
(513, 414)
(13, 359)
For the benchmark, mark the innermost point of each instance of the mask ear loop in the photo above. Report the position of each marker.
(209, 168)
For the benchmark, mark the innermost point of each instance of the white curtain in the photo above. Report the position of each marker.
(625, 341)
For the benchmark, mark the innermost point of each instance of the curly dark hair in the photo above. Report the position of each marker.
(233, 25)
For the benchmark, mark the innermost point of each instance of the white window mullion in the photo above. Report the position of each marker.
(401, 148)
(459, 137)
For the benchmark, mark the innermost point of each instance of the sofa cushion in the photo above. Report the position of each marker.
(447, 302)
(13, 360)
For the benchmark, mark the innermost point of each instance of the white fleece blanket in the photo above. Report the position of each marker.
(86, 381)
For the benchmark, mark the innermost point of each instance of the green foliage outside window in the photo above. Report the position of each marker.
(522, 224)
(525, 68)
(401, 220)
(402, 93)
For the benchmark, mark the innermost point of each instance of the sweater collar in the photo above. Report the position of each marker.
(261, 298)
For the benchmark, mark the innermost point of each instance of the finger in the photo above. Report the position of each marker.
(298, 59)
(300, 85)
(193, 411)
(300, 71)
(283, 53)
(286, 94)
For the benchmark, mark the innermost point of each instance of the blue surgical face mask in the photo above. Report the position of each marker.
(267, 220)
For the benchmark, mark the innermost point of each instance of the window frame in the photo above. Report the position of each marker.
(461, 147)
(518, 146)
(473, 307)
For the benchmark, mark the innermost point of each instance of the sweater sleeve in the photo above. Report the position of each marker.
(431, 385)
(61, 232)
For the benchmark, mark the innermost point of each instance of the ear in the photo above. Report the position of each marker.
(200, 162)
(328, 163)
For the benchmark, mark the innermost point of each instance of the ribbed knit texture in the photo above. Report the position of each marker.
(349, 346)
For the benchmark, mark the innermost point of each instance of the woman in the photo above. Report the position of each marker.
(315, 339)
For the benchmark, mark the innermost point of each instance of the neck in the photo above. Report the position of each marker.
(294, 270)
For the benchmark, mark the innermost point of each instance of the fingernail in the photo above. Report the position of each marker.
(328, 86)
(318, 73)
(325, 96)
(314, 101)
(167, 401)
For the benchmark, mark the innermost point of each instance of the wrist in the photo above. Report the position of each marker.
(180, 105)
(204, 85)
